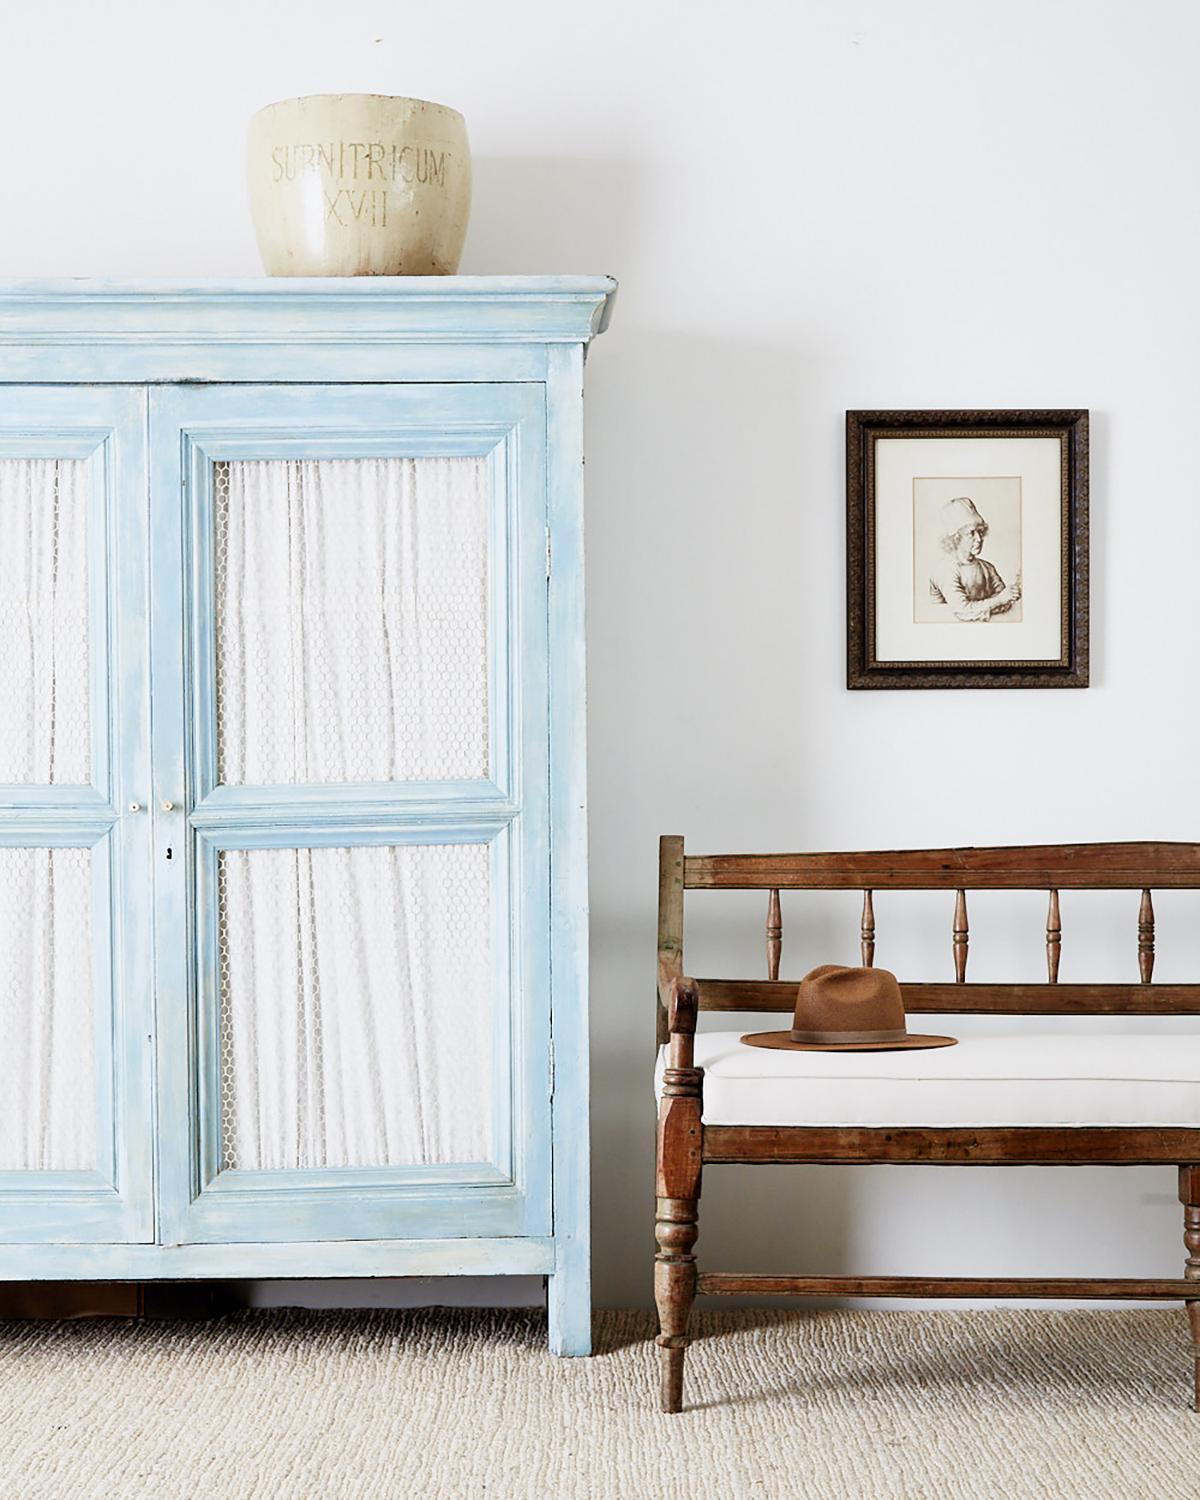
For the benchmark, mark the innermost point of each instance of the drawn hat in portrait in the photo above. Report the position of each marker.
(848, 1010)
(959, 513)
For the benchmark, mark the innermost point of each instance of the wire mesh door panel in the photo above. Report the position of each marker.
(45, 730)
(46, 1003)
(47, 1011)
(354, 987)
(351, 604)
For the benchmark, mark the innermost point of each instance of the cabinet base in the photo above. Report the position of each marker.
(466, 1257)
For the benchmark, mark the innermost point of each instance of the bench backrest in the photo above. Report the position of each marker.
(1051, 868)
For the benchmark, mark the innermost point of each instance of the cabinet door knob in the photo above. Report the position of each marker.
(135, 807)
(168, 806)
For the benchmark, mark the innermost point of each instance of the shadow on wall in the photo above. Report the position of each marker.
(708, 632)
(535, 215)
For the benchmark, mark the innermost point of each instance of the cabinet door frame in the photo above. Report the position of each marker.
(113, 1203)
(191, 429)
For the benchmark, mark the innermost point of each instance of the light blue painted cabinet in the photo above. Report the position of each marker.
(293, 945)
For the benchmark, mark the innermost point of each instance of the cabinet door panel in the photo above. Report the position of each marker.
(47, 1010)
(45, 532)
(352, 916)
(351, 632)
(75, 1131)
(341, 981)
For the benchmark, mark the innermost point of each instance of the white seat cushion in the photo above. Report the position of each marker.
(1115, 1078)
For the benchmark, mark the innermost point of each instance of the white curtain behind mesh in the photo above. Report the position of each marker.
(352, 645)
(44, 718)
(355, 1007)
(351, 619)
(48, 1120)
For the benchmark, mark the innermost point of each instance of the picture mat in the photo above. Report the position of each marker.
(1037, 637)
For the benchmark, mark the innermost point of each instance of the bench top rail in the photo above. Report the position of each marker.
(1133, 866)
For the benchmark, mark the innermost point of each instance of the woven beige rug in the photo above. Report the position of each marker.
(998, 1405)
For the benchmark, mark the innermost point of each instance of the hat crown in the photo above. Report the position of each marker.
(835, 1002)
(958, 513)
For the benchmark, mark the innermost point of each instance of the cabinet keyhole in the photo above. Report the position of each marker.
(168, 851)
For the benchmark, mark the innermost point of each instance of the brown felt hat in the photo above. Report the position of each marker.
(847, 1010)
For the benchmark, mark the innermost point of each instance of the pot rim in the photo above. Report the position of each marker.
(392, 98)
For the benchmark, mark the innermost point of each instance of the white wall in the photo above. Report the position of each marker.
(811, 206)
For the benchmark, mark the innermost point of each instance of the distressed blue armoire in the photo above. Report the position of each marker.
(293, 944)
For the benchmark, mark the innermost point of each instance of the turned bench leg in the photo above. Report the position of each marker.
(1189, 1196)
(675, 1228)
(677, 1201)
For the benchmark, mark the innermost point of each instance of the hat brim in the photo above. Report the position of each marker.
(782, 1040)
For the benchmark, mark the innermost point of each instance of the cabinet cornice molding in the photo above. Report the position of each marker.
(300, 310)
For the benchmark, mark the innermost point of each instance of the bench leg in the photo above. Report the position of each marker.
(1189, 1196)
(676, 1223)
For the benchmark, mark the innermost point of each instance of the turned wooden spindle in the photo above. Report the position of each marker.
(868, 931)
(1053, 939)
(1189, 1196)
(1146, 938)
(962, 937)
(774, 935)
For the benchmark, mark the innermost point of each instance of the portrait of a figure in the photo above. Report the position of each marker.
(967, 566)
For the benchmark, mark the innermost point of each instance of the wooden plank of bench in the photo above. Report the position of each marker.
(995, 1145)
(730, 1284)
(977, 999)
(1132, 866)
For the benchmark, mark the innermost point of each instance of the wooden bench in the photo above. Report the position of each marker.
(688, 1137)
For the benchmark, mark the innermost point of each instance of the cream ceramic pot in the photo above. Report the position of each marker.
(359, 185)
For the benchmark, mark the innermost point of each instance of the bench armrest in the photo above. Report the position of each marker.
(681, 1001)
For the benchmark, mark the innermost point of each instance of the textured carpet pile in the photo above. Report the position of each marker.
(430, 1404)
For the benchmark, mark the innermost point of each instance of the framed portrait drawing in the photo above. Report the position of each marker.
(967, 549)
